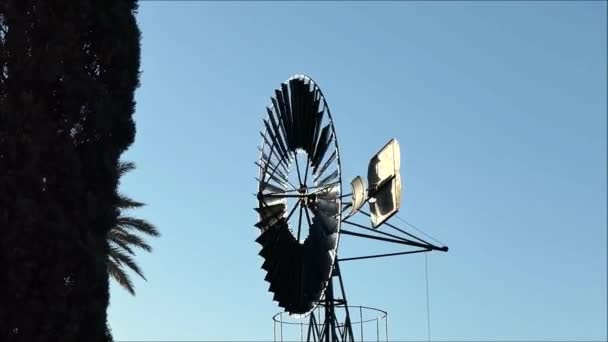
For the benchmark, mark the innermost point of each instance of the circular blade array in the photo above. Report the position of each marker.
(298, 121)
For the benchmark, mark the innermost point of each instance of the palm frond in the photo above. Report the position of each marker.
(124, 167)
(116, 272)
(125, 202)
(115, 241)
(128, 223)
(123, 259)
(124, 238)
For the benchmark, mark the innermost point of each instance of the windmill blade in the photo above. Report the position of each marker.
(267, 160)
(284, 120)
(269, 187)
(270, 261)
(329, 223)
(326, 165)
(331, 242)
(264, 239)
(307, 114)
(319, 243)
(294, 293)
(308, 267)
(277, 250)
(266, 222)
(311, 114)
(277, 142)
(317, 232)
(270, 238)
(329, 178)
(272, 173)
(327, 207)
(266, 141)
(284, 104)
(274, 177)
(286, 295)
(322, 144)
(330, 191)
(272, 169)
(300, 97)
(318, 119)
(277, 112)
(311, 278)
(269, 167)
(289, 278)
(325, 267)
(277, 131)
(277, 210)
(267, 200)
(296, 108)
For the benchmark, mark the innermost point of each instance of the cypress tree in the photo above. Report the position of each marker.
(68, 73)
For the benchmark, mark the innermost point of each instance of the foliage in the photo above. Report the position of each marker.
(68, 72)
(123, 239)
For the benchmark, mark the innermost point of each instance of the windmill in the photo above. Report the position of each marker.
(300, 224)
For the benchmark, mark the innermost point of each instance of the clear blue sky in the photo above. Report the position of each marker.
(500, 110)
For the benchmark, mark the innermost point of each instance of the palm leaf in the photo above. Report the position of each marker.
(124, 167)
(116, 271)
(128, 223)
(125, 202)
(117, 242)
(125, 238)
(123, 259)
(122, 237)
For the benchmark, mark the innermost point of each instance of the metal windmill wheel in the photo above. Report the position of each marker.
(298, 266)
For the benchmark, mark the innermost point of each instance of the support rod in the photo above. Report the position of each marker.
(384, 255)
(401, 242)
(375, 231)
(408, 234)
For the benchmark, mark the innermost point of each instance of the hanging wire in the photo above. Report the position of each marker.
(361, 321)
(419, 230)
(428, 309)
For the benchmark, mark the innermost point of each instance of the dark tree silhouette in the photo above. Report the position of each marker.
(123, 238)
(68, 72)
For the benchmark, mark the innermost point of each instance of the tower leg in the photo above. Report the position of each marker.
(348, 328)
(330, 317)
(331, 330)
